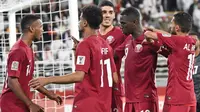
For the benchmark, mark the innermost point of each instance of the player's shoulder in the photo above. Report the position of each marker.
(17, 51)
(117, 30)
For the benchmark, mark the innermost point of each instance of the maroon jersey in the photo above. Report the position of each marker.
(94, 57)
(115, 38)
(140, 65)
(20, 64)
(180, 87)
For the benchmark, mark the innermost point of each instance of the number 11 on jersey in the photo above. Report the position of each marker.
(109, 72)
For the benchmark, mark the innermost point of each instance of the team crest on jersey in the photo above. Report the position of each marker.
(80, 60)
(138, 48)
(15, 65)
(110, 39)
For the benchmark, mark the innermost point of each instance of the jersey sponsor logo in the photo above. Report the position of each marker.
(138, 48)
(166, 35)
(15, 65)
(80, 60)
(110, 39)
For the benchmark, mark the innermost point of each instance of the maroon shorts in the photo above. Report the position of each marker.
(179, 108)
(141, 107)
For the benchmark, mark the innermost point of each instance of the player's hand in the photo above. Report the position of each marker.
(75, 41)
(147, 40)
(35, 108)
(57, 98)
(38, 82)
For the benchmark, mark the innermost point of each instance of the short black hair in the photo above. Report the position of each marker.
(106, 3)
(93, 15)
(132, 12)
(184, 20)
(27, 21)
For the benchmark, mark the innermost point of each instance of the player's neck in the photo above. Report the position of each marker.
(182, 34)
(104, 30)
(25, 38)
(88, 33)
(137, 33)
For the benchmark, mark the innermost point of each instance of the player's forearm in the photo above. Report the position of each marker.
(67, 79)
(151, 35)
(160, 31)
(16, 88)
(45, 92)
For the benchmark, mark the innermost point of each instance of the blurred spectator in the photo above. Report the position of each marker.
(196, 16)
(184, 5)
(56, 44)
(47, 55)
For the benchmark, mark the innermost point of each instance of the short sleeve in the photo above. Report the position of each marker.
(83, 57)
(167, 40)
(15, 62)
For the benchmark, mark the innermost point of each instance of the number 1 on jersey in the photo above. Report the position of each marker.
(109, 72)
(191, 66)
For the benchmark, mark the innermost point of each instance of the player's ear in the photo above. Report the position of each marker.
(177, 28)
(31, 29)
(85, 23)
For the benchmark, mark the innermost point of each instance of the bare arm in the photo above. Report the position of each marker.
(65, 79)
(14, 85)
(151, 35)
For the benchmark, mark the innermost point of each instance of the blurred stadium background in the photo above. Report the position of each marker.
(53, 54)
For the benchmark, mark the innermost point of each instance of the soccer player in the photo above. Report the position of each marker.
(196, 75)
(16, 95)
(95, 67)
(115, 37)
(140, 64)
(180, 96)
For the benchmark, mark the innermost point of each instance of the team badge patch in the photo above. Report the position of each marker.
(15, 65)
(80, 60)
(138, 48)
(110, 39)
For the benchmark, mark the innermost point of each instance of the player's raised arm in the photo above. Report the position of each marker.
(151, 35)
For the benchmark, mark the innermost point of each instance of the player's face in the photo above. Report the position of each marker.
(38, 29)
(127, 26)
(82, 23)
(108, 16)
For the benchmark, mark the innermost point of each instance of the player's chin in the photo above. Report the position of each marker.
(107, 24)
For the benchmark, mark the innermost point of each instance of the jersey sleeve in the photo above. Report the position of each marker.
(15, 63)
(83, 57)
(167, 40)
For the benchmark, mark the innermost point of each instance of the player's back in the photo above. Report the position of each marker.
(180, 87)
(97, 83)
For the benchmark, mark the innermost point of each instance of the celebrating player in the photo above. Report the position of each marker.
(180, 96)
(94, 67)
(115, 37)
(140, 65)
(16, 95)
